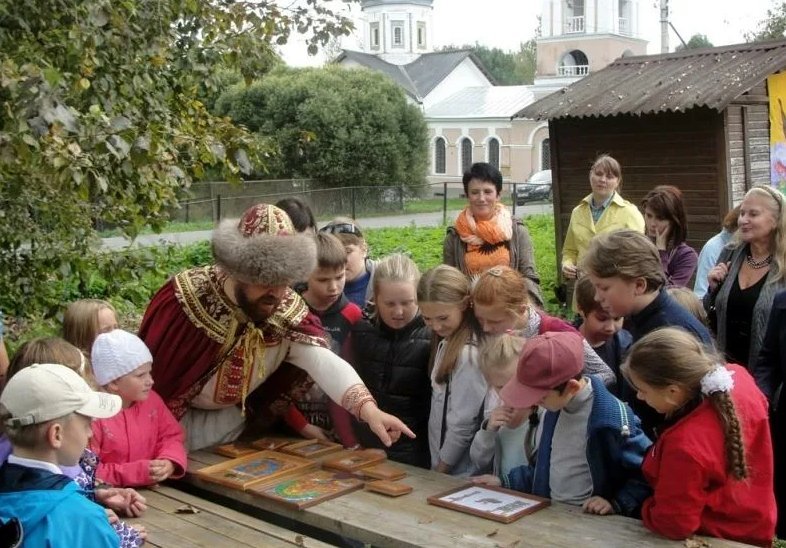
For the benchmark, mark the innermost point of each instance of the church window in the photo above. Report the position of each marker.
(545, 154)
(466, 154)
(398, 34)
(439, 155)
(493, 152)
(421, 35)
(374, 31)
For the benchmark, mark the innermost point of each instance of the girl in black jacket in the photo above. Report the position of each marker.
(390, 351)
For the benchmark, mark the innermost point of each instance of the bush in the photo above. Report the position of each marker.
(129, 278)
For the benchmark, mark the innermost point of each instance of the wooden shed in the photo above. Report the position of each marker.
(697, 119)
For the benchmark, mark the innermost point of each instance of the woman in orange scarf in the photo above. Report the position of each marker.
(486, 234)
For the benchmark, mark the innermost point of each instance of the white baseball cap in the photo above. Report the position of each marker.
(117, 353)
(47, 391)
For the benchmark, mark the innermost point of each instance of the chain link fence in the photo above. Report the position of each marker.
(211, 202)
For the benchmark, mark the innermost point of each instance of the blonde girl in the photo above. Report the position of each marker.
(391, 354)
(711, 468)
(123, 501)
(457, 386)
(85, 319)
(688, 300)
(501, 305)
(508, 437)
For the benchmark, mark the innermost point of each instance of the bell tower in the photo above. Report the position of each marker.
(581, 36)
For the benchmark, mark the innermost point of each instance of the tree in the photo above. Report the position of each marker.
(506, 67)
(696, 41)
(101, 118)
(772, 27)
(343, 127)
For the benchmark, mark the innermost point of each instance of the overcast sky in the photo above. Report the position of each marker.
(507, 23)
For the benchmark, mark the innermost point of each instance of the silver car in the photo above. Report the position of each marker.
(537, 187)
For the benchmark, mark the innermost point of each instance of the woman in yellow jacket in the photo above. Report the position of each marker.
(603, 210)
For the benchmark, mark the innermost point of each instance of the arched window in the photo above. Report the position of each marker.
(493, 152)
(466, 154)
(545, 154)
(574, 63)
(439, 155)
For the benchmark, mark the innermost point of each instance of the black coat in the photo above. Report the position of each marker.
(394, 366)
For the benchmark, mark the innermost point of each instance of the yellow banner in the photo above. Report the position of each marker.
(776, 85)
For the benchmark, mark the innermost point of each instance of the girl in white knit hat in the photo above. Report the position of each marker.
(143, 444)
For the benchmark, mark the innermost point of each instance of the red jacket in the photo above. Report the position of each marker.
(127, 442)
(686, 467)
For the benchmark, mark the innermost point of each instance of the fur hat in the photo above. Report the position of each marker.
(263, 248)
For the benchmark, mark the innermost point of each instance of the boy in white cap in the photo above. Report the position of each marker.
(46, 410)
(591, 445)
(143, 444)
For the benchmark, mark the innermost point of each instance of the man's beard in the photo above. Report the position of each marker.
(254, 309)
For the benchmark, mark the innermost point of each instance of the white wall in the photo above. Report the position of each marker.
(465, 75)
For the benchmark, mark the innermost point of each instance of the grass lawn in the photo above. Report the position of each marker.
(424, 245)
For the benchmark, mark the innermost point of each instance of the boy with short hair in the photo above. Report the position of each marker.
(591, 446)
(324, 295)
(603, 331)
(46, 411)
(360, 268)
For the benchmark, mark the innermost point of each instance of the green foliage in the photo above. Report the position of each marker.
(508, 68)
(101, 120)
(696, 41)
(772, 27)
(342, 127)
(130, 278)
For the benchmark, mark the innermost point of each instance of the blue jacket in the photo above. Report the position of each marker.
(615, 450)
(52, 509)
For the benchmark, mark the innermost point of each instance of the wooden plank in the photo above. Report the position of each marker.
(214, 525)
(410, 521)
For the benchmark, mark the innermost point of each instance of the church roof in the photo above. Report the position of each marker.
(421, 76)
(483, 102)
(709, 77)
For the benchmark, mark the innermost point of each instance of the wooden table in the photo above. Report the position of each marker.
(411, 521)
(213, 525)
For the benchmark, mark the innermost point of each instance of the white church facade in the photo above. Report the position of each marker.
(470, 118)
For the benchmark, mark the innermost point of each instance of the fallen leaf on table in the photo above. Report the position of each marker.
(696, 543)
(187, 509)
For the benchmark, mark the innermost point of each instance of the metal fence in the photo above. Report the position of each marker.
(211, 202)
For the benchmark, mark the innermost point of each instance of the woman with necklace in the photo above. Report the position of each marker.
(750, 271)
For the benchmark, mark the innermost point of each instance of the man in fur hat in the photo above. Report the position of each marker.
(219, 333)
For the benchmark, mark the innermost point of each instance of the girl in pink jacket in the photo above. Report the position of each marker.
(143, 444)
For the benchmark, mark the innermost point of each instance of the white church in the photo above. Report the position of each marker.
(470, 118)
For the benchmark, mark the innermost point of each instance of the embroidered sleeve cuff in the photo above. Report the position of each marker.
(355, 397)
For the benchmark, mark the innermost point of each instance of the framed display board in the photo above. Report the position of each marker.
(312, 448)
(260, 467)
(234, 450)
(495, 503)
(354, 460)
(307, 489)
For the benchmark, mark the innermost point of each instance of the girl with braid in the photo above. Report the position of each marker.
(711, 468)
